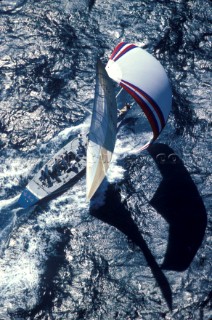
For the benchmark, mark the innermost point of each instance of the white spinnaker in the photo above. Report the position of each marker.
(102, 134)
(144, 78)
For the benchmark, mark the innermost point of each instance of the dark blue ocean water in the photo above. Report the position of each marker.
(141, 249)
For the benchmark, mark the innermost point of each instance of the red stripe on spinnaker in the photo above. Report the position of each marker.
(151, 101)
(117, 48)
(128, 48)
(149, 114)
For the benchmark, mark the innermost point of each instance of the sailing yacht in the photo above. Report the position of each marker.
(141, 76)
(61, 172)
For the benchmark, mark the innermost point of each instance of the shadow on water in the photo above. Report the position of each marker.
(178, 201)
(114, 213)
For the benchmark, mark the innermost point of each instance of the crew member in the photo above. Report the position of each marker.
(124, 109)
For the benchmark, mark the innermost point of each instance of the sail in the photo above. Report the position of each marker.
(102, 134)
(144, 78)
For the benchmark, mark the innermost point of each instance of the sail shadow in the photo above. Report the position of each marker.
(177, 199)
(114, 212)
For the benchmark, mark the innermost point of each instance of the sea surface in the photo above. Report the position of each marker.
(141, 249)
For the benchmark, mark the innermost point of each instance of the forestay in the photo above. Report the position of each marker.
(102, 134)
(144, 78)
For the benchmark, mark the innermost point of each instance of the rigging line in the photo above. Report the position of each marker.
(119, 93)
(78, 105)
(89, 111)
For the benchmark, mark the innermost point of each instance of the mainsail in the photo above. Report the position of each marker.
(102, 134)
(144, 78)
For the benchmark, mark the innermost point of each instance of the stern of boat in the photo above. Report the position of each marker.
(27, 199)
